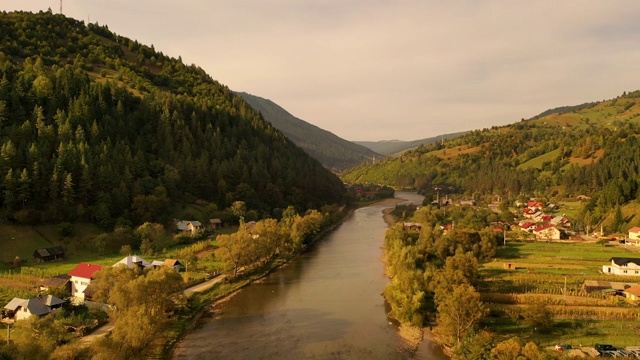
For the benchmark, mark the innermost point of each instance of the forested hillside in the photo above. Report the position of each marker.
(332, 151)
(590, 150)
(97, 127)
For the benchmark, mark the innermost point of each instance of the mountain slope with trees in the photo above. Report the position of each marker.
(332, 151)
(97, 127)
(588, 150)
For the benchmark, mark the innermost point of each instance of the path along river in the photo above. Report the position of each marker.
(325, 304)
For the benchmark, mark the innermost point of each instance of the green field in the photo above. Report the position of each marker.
(537, 162)
(542, 270)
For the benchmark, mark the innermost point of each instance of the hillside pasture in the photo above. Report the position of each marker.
(537, 162)
(20, 241)
(453, 152)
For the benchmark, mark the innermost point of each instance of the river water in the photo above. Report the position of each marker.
(325, 304)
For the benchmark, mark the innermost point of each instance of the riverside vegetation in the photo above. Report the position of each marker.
(455, 280)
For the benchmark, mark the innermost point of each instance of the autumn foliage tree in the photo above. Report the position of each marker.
(459, 312)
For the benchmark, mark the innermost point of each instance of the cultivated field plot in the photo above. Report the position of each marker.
(524, 274)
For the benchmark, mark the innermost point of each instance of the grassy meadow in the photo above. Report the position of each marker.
(541, 271)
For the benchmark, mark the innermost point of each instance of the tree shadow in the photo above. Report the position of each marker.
(510, 251)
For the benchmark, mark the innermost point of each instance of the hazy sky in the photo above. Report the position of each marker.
(386, 69)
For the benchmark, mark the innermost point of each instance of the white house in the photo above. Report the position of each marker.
(547, 232)
(133, 261)
(634, 233)
(622, 266)
(81, 277)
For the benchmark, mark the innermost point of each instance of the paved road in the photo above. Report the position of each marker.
(106, 328)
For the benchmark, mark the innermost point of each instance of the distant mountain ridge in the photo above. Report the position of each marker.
(331, 150)
(395, 147)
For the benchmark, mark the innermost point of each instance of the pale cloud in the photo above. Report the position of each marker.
(375, 69)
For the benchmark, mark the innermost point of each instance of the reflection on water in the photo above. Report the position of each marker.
(326, 304)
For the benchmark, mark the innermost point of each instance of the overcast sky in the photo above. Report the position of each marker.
(386, 69)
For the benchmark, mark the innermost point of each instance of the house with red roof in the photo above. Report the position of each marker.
(528, 226)
(81, 277)
(547, 232)
(535, 205)
(634, 233)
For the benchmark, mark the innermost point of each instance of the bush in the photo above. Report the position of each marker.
(65, 229)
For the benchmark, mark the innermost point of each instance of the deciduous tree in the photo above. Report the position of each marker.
(459, 311)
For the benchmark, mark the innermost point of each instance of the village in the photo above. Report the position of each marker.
(77, 287)
(587, 281)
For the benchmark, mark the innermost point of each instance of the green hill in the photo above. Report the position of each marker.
(332, 151)
(587, 149)
(98, 127)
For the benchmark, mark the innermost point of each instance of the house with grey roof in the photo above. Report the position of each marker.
(133, 261)
(622, 267)
(191, 226)
(37, 306)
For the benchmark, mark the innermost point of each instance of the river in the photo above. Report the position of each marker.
(325, 304)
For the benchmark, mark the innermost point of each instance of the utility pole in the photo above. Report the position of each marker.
(504, 237)
(60, 6)
(8, 323)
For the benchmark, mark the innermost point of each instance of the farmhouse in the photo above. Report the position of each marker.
(133, 261)
(38, 306)
(535, 205)
(632, 293)
(622, 266)
(49, 254)
(528, 226)
(634, 233)
(547, 232)
(81, 277)
(191, 226)
(412, 226)
(215, 223)
(62, 282)
(175, 264)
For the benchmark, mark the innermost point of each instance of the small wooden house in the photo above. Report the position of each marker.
(49, 254)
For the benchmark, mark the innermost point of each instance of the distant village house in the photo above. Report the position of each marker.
(133, 261)
(191, 226)
(412, 226)
(215, 223)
